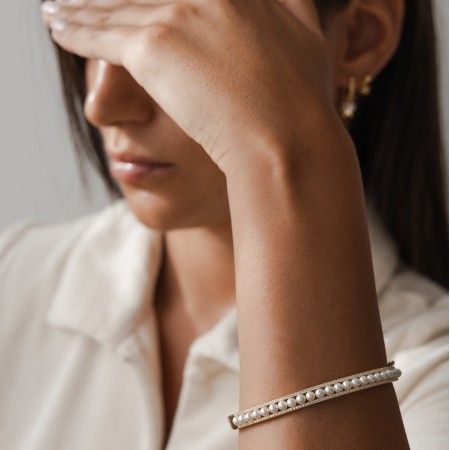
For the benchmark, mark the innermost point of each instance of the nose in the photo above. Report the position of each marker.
(114, 97)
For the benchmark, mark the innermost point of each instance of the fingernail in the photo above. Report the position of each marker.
(58, 25)
(49, 7)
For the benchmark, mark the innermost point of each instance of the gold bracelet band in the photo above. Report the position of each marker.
(313, 395)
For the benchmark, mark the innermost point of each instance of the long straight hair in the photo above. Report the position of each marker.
(396, 131)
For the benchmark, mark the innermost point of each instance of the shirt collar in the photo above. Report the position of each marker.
(106, 288)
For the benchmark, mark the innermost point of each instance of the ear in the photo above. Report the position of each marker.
(366, 36)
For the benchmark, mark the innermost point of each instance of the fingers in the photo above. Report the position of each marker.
(98, 42)
(116, 35)
(109, 4)
(130, 15)
(121, 45)
(86, 32)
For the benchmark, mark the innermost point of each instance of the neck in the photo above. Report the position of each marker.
(197, 274)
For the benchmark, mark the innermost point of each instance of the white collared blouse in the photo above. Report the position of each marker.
(79, 353)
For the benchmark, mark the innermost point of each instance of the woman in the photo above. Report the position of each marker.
(267, 195)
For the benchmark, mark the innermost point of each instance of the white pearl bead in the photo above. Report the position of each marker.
(273, 408)
(282, 405)
(329, 390)
(235, 421)
(377, 376)
(291, 402)
(240, 419)
(319, 393)
(338, 387)
(371, 378)
(356, 382)
(264, 411)
(347, 385)
(310, 396)
(255, 414)
(348, 108)
(363, 379)
(247, 417)
(300, 399)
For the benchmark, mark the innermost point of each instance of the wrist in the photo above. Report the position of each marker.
(307, 167)
(281, 155)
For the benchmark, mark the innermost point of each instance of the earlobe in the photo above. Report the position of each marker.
(373, 32)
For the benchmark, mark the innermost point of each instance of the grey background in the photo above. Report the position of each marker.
(38, 172)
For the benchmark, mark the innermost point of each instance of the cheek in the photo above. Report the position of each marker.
(196, 196)
(335, 35)
(206, 186)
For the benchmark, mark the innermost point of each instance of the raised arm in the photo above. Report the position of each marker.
(306, 297)
(252, 83)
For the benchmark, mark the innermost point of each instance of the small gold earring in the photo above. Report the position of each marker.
(348, 106)
(366, 87)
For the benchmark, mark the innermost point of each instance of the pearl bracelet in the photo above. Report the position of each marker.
(314, 394)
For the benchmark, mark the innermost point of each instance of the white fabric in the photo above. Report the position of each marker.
(79, 362)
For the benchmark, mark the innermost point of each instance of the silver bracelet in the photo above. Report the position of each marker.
(313, 395)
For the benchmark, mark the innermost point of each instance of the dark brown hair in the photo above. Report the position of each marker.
(396, 131)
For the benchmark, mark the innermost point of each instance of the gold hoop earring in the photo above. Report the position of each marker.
(348, 106)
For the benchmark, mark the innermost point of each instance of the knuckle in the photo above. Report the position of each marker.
(179, 12)
(146, 50)
(157, 33)
(154, 38)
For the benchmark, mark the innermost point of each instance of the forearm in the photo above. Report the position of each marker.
(306, 298)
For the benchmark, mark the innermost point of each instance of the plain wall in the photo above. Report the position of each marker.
(38, 175)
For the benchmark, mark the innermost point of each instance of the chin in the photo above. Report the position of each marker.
(152, 210)
(172, 209)
(163, 213)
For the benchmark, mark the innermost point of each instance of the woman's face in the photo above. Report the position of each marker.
(190, 193)
(133, 126)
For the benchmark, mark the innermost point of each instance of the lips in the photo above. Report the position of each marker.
(134, 158)
(132, 168)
